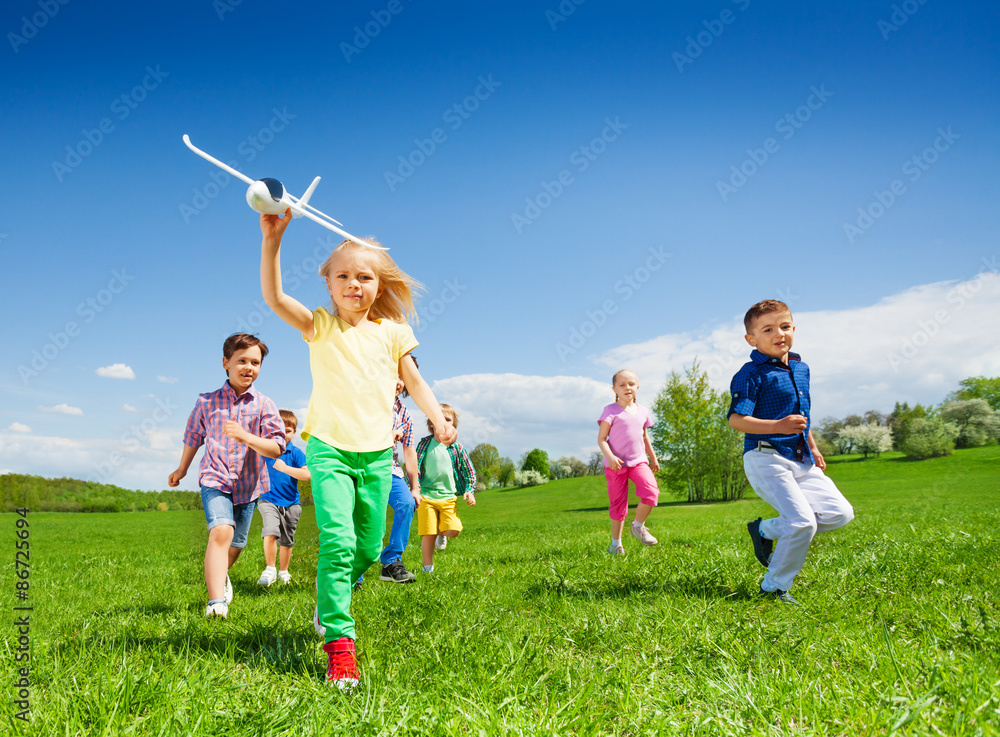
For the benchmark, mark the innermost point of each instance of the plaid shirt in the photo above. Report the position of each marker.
(228, 465)
(465, 473)
(400, 421)
(768, 389)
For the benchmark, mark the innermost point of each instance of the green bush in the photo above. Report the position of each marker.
(929, 438)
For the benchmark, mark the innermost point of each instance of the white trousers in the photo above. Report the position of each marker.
(807, 502)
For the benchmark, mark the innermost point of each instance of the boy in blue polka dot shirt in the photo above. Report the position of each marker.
(771, 404)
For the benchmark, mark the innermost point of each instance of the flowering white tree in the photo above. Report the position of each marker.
(870, 439)
(529, 478)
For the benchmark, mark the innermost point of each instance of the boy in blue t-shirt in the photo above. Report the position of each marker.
(771, 403)
(279, 508)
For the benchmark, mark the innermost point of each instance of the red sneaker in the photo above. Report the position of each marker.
(342, 667)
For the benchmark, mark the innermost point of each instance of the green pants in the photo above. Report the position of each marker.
(350, 491)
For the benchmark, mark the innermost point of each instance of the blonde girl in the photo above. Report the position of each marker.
(628, 456)
(356, 352)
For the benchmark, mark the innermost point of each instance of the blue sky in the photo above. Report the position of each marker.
(579, 186)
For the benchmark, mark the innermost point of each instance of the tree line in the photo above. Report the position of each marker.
(967, 418)
(40, 494)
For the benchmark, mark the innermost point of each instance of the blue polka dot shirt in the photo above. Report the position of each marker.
(768, 389)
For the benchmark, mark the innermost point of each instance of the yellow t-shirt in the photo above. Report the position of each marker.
(354, 382)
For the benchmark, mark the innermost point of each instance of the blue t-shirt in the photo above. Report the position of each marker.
(284, 489)
(768, 389)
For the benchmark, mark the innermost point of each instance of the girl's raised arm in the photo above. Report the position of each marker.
(425, 399)
(287, 308)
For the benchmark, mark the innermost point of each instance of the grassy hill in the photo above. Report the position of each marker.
(41, 494)
(528, 627)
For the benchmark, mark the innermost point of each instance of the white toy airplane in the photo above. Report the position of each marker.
(269, 197)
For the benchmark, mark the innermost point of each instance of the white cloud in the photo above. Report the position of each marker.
(18, 427)
(116, 371)
(129, 408)
(135, 460)
(167, 379)
(914, 346)
(63, 409)
(911, 347)
(517, 413)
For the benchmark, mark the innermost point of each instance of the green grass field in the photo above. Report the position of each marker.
(528, 627)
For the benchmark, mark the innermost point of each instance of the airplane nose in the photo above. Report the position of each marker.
(261, 197)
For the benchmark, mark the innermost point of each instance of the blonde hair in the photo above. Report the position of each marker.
(396, 287)
(449, 409)
(614, 377)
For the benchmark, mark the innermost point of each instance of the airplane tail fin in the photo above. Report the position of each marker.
(304, 199)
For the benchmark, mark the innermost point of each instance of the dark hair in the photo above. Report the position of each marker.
(240, 341)
(764, 307)
(288, 417)
(406, 392)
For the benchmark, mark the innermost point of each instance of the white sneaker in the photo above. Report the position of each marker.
(616, 548)
(227, 592)
(429, 569)
(218, 610)
(268, 577)
(640, 533)
(285, 577)
(441, 542)
(320, 629)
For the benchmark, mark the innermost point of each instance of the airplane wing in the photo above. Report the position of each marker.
(330, 226)
(215, 161)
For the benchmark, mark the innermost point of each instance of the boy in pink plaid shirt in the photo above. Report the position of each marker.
(238, 426)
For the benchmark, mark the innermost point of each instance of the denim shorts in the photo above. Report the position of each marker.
(220, 510)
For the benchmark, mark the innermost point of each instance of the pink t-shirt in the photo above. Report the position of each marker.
(625, 437)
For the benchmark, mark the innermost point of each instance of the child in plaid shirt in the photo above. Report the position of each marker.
(238, 427)
(445, 473)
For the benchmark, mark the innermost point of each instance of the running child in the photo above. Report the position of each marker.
(625, 444)
(238, 426)
(771, 404)
(445, 473)
(281, 508)
(355, 353)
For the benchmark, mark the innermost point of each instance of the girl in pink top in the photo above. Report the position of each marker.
(625, 444)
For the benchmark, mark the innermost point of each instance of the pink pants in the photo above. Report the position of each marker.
(645, 488)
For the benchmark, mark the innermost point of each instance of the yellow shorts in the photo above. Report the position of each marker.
(435, 516)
